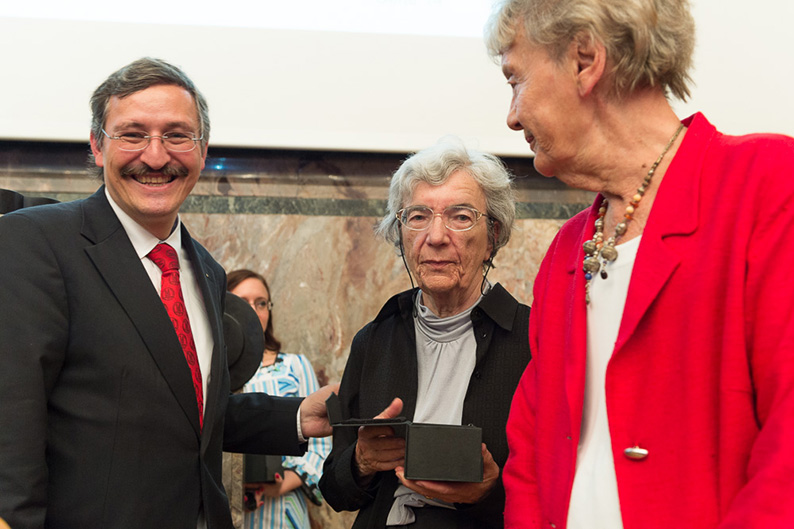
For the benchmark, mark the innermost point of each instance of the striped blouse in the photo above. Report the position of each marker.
(291, 375)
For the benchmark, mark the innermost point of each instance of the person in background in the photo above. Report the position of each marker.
(281, 504)
(114, 383)
(661, 390)
(448, 352)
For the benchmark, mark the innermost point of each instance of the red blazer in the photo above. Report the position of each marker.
(702, 375)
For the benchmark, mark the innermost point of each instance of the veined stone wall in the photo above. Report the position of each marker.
(304, 220)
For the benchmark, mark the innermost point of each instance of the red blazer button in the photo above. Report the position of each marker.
(635, 452)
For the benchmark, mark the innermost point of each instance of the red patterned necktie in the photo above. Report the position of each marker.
(164, 256)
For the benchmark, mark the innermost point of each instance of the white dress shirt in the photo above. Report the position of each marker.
(144, 242)
(594, 499)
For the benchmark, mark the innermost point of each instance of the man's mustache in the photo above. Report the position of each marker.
(144, 170)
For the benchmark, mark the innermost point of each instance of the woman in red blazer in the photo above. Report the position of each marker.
(661, 392)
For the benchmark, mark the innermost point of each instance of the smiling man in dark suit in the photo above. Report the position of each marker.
(114, 390)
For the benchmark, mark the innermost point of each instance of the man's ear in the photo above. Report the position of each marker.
(591, 58)
(204, 151)
(97, 151)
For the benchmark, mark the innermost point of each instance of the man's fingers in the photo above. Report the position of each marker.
(392, 410)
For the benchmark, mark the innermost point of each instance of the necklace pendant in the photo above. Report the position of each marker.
(609, 252)
(591, 265)
(597, 249)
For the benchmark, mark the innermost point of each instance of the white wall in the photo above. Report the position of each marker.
(270, 85)
(744, 65)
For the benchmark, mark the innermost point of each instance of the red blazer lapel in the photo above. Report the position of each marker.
(675, 214)
(576, 335)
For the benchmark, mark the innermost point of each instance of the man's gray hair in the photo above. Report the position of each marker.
(140, 75)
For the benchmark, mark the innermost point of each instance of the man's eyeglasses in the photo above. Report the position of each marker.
(456, 218)
(172, 141)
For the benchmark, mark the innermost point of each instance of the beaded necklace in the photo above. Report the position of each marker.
(597, 252)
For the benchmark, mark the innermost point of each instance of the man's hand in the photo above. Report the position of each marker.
(378, 449)
(314, 416)
(456, 492)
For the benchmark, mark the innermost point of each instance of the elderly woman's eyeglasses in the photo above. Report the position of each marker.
(173, 141)
(456, 218)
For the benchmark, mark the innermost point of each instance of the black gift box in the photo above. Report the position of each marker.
(433, 452)
(260, 468)
(441, 452)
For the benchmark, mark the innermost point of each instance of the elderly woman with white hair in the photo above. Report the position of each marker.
(448, 352)
(661, 390)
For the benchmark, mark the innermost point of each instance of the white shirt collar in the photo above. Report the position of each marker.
(141, 239)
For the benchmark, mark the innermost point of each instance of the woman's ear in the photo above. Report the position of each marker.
(495, 228)
(590, 56)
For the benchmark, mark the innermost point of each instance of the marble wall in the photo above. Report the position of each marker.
(330, 275)
(304, 220)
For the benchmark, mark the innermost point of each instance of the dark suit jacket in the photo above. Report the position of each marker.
(98, 420)
(382, 365)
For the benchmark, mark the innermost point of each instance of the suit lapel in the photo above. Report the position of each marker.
(212, 305)
(118, 264)
(408, 381)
